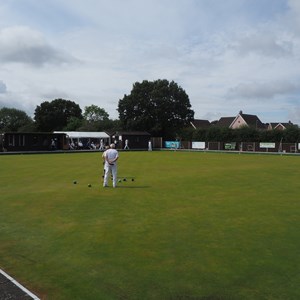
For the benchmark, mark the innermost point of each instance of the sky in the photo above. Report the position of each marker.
(228, 56)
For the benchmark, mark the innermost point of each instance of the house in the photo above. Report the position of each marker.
(241, 120)
(279, 126)
(247, 120)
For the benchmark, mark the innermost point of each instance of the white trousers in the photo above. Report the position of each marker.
(110, 169)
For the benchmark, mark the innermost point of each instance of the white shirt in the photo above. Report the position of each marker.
(111, 155)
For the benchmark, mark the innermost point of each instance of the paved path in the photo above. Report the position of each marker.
(10, 289)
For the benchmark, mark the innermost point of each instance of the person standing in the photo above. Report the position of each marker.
(110, 165)
(103, 158)
(126, 145)
(53, 144)
(101, 145)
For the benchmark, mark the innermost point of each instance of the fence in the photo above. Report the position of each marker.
(248, 146)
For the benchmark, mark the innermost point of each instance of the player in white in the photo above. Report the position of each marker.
(101, 147)
(110, 165)
(126, 145)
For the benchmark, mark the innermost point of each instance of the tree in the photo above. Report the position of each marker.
(73, 124)
(55, 115)
(159, 107)
(94, 113)
(95, 119)
(12, 119)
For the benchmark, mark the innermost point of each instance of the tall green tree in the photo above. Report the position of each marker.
(94, 113)
(55, 115)
(95, 118)
(73, 124)
(159, 107)
(12, 119)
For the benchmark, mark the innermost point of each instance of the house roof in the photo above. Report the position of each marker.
(272, 124)
(282, 124)
(118, 133)
(253, 121)
(197, 123)
(286, 124)
(225, 121)
(250, 120)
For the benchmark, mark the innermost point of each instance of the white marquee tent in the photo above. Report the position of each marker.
(85, 135)
(77, 136)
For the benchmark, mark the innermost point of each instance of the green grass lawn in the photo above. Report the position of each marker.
(191, 226)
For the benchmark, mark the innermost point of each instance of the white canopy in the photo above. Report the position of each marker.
(82, 135)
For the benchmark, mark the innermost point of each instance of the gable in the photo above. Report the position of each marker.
(238, 122)
(279, 127)
(247, 120)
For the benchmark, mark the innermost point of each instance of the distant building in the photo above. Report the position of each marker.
(135, 139)
(224, 122)
(279, 125)
(200, 123)
(241, 120)
(247, 120)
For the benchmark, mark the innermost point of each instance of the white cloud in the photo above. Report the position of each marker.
(264, 44)
(3, 88)
(264, 90)
(23, 45)
(294, 114)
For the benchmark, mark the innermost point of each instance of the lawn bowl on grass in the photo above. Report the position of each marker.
(226, 227)
(125, 178)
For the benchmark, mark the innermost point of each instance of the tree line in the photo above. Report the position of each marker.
(159, 107)
(57, 115)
